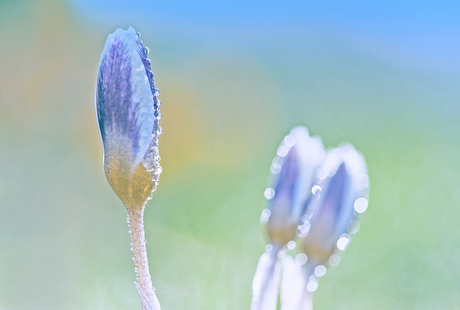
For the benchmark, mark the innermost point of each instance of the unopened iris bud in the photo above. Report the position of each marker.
(342, 183)
(294, 168)
(127, 111)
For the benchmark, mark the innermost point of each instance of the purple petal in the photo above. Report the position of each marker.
(343, 178)
(126, 103)
(299, 155)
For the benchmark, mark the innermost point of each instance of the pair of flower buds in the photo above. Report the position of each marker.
(320, 195)
(316, 196)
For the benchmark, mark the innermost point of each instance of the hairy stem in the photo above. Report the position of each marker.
(306, 303)
(266, 281)
(136, 226)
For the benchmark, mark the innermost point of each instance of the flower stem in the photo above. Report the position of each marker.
(306, 303)
(136, 226)
(266, 281)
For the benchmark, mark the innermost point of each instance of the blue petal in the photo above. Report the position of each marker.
(125, 99)
(298, 167)
(310, 152)
(286, 180)
(299, 155)
(342, 181)
(333, 204)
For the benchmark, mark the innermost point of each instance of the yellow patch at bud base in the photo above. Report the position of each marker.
(282, 234)
(320, 242)
(132, 189)
(316, 251)
(281, 227)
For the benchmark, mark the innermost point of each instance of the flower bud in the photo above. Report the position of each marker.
(332, 218)
(127, 112)
(293, 170)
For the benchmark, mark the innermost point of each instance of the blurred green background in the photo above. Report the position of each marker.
(235, 77)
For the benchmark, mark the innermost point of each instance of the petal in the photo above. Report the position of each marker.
(299, 155)
(124, 100)
(310, 152)
(341, 178)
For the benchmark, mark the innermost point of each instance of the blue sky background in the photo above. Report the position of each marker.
(425, 31)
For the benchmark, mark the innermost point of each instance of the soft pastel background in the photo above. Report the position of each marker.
(235, 77)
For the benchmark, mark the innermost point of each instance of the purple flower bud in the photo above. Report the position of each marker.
(342, 182)
(127, 112)
(294, 170)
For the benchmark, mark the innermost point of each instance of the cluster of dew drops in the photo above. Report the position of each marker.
(360, 206)
(152, 156)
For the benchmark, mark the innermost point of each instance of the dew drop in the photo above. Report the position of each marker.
(316, 189)
(268, 248)
(334, 260)
(312, 286)
(342, 243)
(146, 50)
(282, 151)
(291, 245)
(320, 270)
(353, 227)
(301, 259)
(289, 141)
(275, 168)
(265, 216)
(281, 254)
(305, 218)
(302, 230)
(360, 205)
(269, 193)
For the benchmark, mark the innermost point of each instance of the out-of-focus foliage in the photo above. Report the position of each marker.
(231, 87)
